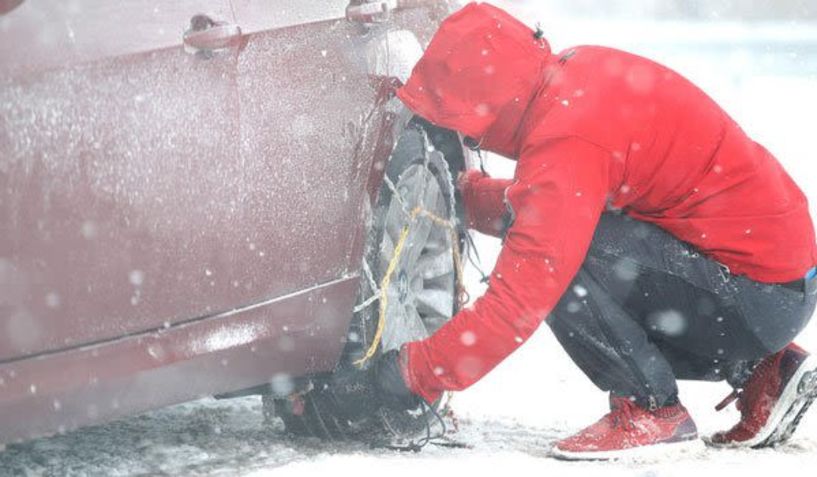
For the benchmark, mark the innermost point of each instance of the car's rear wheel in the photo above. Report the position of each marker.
(413, 244)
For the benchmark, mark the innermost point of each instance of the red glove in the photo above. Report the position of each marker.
(484, 198)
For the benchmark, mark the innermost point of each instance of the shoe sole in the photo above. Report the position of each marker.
(804, 390)
(796, 398)
(688, 446)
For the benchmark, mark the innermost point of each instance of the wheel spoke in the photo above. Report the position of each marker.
(392, 333)
(411, 186)
(433, 265)
(395, 220)
(386, 254)
(415, 327)
(406, 325)
(435, 303)
(425, 227)
(443, 282)
(415, 243)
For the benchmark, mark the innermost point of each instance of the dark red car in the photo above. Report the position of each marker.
(189, 191)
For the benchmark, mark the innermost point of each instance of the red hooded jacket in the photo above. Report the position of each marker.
(592, 129)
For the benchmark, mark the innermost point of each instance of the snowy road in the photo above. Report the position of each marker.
(765, 76)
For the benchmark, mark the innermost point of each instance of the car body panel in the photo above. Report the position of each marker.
(307, 106)
(262, 16)
(147, 189)
(114, 186)
(61, 391)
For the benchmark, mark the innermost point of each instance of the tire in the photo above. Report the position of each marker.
(422, 295)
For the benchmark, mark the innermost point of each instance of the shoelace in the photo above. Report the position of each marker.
(740, 395)
(735, 395)
(622, 415)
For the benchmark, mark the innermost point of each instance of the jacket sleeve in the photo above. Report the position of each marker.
(558, 195)
(484, 200)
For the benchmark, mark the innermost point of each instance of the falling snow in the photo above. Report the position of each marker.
(529, 401)
(580, 291)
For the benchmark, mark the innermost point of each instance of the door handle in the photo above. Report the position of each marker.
(379, 11)
(206, 34)
(370, 11)
(9, 5)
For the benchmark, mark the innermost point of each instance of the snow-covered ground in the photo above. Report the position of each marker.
(765, 75)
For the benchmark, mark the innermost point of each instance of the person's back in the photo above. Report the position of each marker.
(679, 161)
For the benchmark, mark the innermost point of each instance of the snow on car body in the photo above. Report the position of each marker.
(183, 193)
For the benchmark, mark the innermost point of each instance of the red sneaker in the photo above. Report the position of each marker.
(630, 431)
(773, 400)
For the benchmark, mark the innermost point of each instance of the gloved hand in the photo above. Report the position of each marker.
(484, 199)
(386, 378)
(467, 178)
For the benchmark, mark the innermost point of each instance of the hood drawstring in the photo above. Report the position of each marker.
(471, 248)
(735, 395)
(623, 414)
(474, 258)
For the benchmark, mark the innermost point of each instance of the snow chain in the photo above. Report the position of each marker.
(462, 294)
(382, 293)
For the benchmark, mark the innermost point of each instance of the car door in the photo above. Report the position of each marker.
(120, 170)
(312, 120)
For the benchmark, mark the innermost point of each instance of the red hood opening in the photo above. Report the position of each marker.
(478, 76)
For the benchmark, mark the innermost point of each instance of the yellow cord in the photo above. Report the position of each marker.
(462, 295)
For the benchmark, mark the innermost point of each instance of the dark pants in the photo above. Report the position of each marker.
(646, 309)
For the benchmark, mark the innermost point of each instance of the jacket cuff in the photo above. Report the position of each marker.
(414, 377)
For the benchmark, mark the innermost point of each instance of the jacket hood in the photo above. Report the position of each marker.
(479, 75)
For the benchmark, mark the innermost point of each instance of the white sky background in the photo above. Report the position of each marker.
(692, 9)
